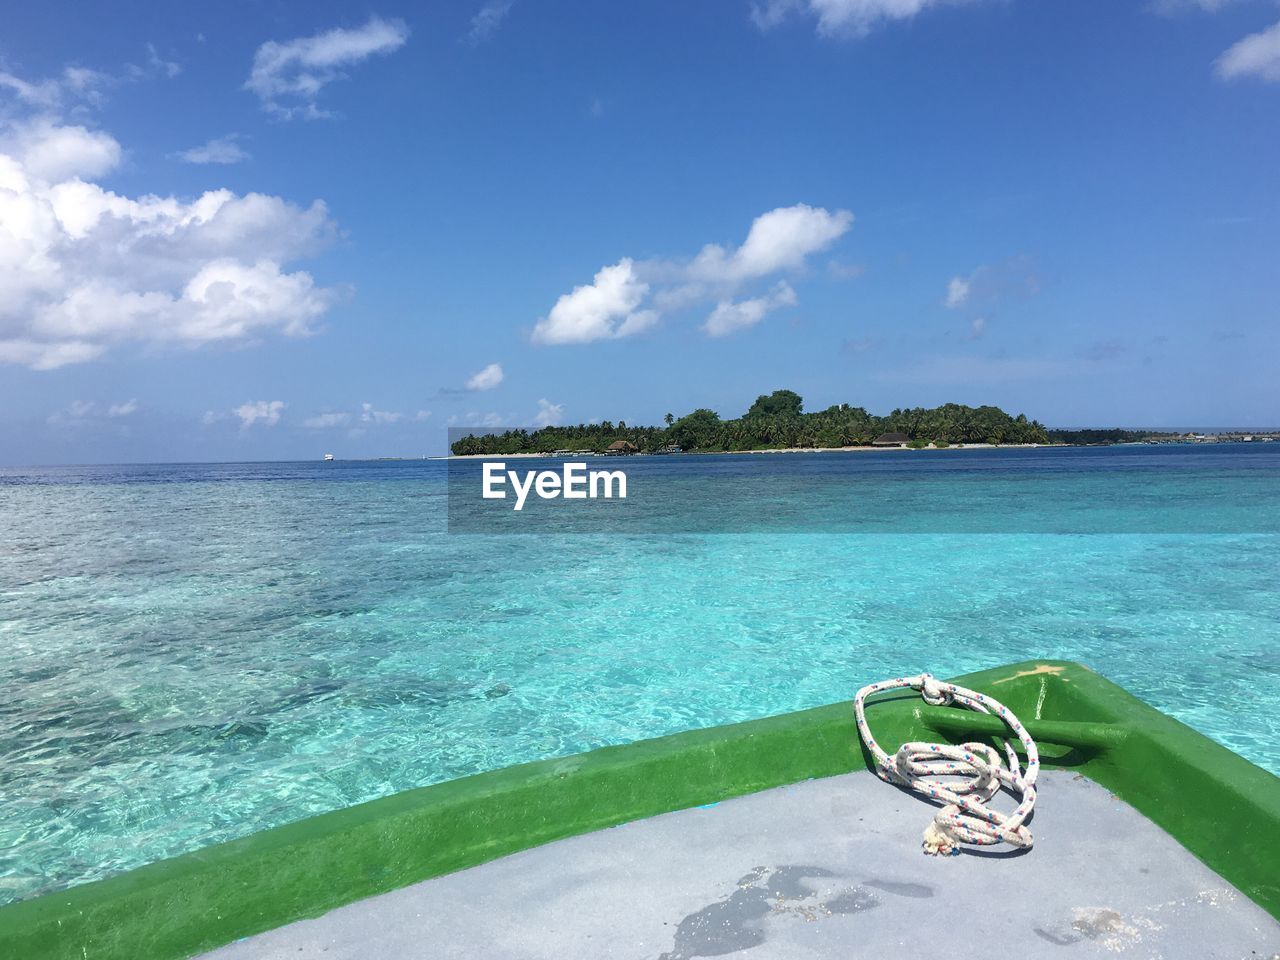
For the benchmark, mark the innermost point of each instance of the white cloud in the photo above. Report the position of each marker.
(1257, 55)
(44, 93)
(778, 240)
(548, 413)
(957, 292)
(841, 18)
(1012, 277)
(167, 67)
(422, 415)
(326, 421)
(604, 309)
(83, 268)
(219, 150)
(486, 379)
(630, 296)
(75, 86)
(211, 417)
(487, 20)
(123, 409)
(46, 356)
(977, 328)
(370, 415)
(729, 317)
(50, 152)
(288, 76)
(367, 414)
(266, 412)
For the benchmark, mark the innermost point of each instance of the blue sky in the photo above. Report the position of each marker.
(272, 230)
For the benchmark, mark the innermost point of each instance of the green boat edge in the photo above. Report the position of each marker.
(1222, 808)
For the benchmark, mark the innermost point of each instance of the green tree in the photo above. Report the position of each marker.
(778, 403)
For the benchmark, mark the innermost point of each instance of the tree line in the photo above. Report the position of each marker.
(1088, 437)
(775, 421)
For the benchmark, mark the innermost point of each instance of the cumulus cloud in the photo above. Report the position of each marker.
(631, 296)
(83, 268)
(778, 240)
(219, 150)
(487, 21)
(1257, 55)
(326, 421)
(957, 292)
(840, 18)
(977, 328)
(486, 379)
(729, 317)
(604, 309)
(266, 412)
(52, 152)
(124, 409)
(422, 415)
(548, 413)
(288, 76)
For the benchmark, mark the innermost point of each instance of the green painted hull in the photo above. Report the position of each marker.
(1219, 806)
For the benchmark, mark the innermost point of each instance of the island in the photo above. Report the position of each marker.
(776, 421)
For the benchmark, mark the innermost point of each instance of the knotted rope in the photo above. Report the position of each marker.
(927, 768)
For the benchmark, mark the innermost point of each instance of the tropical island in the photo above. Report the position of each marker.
(776, 421)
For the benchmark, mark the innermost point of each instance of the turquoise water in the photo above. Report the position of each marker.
(193, 653)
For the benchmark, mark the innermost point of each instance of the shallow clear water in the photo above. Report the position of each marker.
(194, 653)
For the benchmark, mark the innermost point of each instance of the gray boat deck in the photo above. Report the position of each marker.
(827, 868)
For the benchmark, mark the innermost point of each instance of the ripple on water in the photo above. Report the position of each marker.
(181, 676)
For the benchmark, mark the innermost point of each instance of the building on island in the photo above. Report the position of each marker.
(621, 448)
(891, 440)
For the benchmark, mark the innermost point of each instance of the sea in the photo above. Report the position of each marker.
(195, 652)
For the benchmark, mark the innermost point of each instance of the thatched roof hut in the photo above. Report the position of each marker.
(891, 440)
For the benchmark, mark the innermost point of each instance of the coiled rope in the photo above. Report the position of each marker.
(929, 769)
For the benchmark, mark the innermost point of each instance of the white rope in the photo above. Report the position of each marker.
(928, 769)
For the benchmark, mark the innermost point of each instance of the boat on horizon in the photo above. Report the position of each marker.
(1149, 836)
(328, 457)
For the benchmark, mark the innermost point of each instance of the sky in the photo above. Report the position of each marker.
(266, 230)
